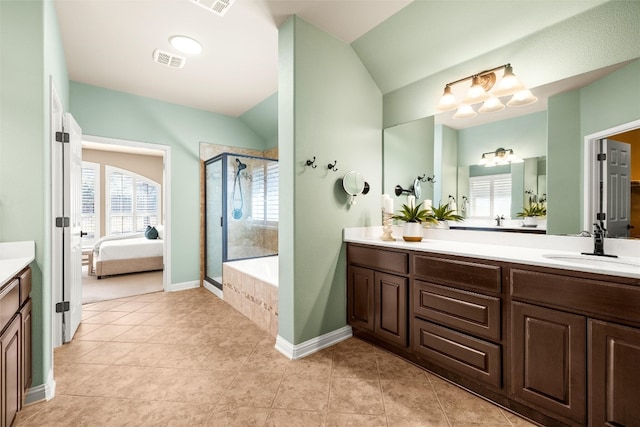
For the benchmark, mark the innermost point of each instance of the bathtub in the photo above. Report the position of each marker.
(251, 287)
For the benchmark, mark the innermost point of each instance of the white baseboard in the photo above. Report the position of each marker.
(298, 351)
(217, 292)
(183, 286)
(41, 392)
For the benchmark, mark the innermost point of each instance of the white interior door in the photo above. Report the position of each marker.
(618, 187)
(73, 287)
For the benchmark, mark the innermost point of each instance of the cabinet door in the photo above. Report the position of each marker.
(25, 315)
(614, 375)
(391, 308)
(10, 394)
(360, 305)
(548, 360)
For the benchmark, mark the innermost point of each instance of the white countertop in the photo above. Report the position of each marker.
(531, 249)
(14, 256)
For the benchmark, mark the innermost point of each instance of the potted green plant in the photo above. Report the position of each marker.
(442, 214)
(530, 215)
(413, 217)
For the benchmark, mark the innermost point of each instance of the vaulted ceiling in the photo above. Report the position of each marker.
(109, 43)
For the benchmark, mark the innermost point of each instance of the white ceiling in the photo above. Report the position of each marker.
(109, 43)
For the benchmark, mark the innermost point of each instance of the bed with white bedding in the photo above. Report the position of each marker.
(129, 253)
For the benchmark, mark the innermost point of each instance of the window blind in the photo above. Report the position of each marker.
(264, 189)
(489, 196)
(133, 202)
(89, 210)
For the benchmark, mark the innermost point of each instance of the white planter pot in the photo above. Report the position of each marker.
(412, 232)
(530, 221)
(441, 224)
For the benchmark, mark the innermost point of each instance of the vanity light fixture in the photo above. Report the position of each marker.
(484, 89)
(502, 156)
(186, 45)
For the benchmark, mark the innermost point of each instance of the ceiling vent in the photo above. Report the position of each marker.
(219, 7)
(168, 59)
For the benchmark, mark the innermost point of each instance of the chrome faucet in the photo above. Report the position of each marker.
(599, 234)
(499, 220)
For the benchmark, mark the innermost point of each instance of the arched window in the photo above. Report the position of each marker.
(133, 201)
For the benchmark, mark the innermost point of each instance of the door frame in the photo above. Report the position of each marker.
(591, 170)
(166, 192)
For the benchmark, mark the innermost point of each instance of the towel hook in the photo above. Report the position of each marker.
(312, 163)
(332, 167)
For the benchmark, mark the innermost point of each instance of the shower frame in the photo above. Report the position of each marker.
(223, 222)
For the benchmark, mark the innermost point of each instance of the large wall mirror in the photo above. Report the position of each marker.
(548, 136)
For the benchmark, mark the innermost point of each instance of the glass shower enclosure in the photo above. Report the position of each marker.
(241, 210)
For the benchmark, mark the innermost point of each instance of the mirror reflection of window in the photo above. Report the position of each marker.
(489, 196)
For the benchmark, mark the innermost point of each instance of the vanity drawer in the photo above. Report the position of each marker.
(25, 285)
(469, 356)
(463, 310)
(9, 302)
(458, 273)
(397, 262)
(593, 297)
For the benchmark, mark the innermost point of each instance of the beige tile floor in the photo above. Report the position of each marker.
(189, 359)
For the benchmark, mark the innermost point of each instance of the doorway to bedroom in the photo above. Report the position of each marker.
(124, 218)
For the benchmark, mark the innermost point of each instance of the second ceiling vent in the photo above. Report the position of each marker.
(169, 59)
(219, 7)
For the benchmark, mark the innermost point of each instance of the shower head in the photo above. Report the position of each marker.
(241, 165)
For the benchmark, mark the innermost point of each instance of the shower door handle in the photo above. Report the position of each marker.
(220, 221)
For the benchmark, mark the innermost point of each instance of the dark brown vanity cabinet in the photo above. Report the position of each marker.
(571, 358)
(15, 345)
(377, 293)
(548, 360)
(614, 375)
(456, 316)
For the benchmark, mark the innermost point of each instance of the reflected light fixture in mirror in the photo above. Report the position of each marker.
(481, 91)
(502, 156)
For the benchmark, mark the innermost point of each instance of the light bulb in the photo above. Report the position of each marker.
(448, 101)
(491, 105)
(464, 112)
(508, 84)
(476, 92)
(519, 99)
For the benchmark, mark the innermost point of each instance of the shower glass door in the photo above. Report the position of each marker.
(213, 221)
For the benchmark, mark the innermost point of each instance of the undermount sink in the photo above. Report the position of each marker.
(596, 261)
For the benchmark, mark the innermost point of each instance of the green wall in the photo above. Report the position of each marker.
(108, 113)
(612, 100)
(30, 53)
(330, 108)
(526, 135)
(263, 120)
(407, 154)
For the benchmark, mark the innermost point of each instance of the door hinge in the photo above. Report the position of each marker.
(601, 216)
(62, 307)
(62, 221)
(62, 136)
(602, 157)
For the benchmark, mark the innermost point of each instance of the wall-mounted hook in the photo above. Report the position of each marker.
(425, 178)
(312, 163)
(399, 190)
(332, 167)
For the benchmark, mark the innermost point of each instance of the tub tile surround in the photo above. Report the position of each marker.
(255, 299)
(508, 247)
(219, 369)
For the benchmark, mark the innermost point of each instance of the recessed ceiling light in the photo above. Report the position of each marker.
(186, 45)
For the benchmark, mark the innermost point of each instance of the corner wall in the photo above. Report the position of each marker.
(330, 108)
